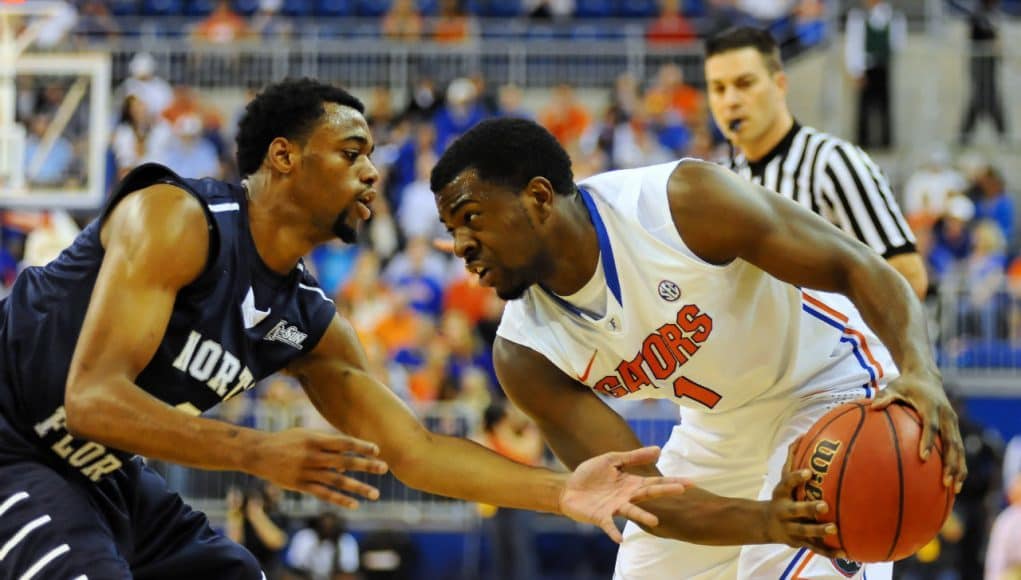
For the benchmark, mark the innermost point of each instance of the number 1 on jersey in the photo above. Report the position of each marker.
(684, 387)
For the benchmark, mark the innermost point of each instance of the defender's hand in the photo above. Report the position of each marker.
(314, 463)
(924, 392)
(600, 489)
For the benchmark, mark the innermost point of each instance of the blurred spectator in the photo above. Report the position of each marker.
(403, 22)
(268, 22)
(994, 203)
(461, 112)
(379, 112)
(549, 9)
(47, 240)
(467, 351)
(511, 102)
(511, 532)
(431, 379)
(625, 98)
(565, 116)
(256, 522)
(1003, 556)
(425, 100)
(466, 295)
(388, 555)
(417, 215)
(929, 188)
(763, 13)
(222, 26)
(982, 448)
(419, 273)
(986, 48)
(951, 240)
(143, 83)
(670, 26)
(96, 22)
(454, 25)
(138, 135)
(188, 153)
(874, 35)
(810, 23)
(324, 550)
(49, 159)
(984, 280)
(384, 235)
(332, 263)
(670, 92)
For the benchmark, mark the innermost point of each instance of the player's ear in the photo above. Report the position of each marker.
(539, 195)
(281, 155)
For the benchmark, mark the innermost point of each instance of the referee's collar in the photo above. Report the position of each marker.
(782, 147)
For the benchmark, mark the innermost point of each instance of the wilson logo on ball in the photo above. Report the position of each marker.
(820, 462)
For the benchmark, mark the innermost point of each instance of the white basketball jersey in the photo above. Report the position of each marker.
(708, 337)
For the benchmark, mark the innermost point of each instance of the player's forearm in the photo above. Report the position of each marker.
(700, 517)
(460, 468)
(121, 415)
(889, 307)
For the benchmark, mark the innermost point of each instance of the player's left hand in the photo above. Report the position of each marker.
(600, 489)
(924, 392)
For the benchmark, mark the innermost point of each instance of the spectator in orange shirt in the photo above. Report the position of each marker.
(402, 21)
(670, 92)
(469, 297)
(454, 25)
(565, 116)
(670, 27)
(222, 26)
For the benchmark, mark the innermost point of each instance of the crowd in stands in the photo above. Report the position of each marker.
(221, 22)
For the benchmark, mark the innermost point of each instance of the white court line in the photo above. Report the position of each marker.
(24, 531)
(39, 565)
(12, 500)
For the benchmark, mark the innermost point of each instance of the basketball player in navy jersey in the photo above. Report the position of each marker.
(185, 293)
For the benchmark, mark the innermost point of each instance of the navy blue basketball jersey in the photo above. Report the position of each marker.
(237, 323)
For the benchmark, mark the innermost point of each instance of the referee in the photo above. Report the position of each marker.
(747, 95)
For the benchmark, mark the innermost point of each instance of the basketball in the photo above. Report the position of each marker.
(887, 503)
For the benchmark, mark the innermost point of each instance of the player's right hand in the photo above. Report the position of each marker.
(796, 523)
(314, 462)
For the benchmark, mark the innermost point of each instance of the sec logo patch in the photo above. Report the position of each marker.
(669, 291)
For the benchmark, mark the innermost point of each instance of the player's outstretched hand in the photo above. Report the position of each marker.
(314, 462)
(600, 489)
(924, 392)
(796, 523)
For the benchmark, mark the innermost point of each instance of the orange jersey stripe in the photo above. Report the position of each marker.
(797, 573)
(815, 302)
(865, 347)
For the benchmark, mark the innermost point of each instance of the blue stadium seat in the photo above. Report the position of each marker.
(637, 8)
(694, 8)
(428, 7)
(123, 7)
(246, 7)
(373, 7)
(335, 7)
(541, 32)
(297, 7)
(502, 8)
(595, 31)
(594, 8)
(162, 7)
(199, 7)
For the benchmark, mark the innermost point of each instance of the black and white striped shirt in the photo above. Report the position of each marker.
(836, 180)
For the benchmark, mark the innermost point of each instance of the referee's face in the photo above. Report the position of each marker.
(746, 99)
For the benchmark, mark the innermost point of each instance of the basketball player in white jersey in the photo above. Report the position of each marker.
(685, 282)
(747, 92)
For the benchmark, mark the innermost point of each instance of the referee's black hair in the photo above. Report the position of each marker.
(740, 37)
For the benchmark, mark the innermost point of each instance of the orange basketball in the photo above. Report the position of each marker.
(887, 503)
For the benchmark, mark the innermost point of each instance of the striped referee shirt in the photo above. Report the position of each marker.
(836, 180)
